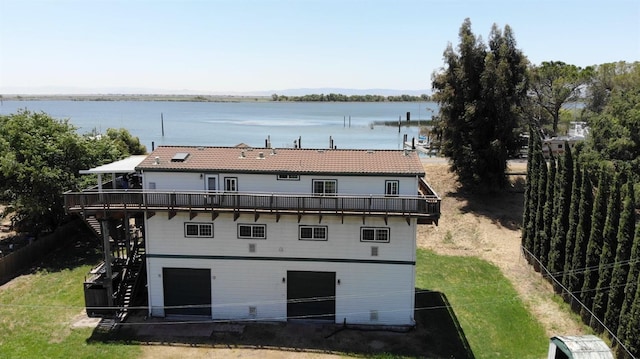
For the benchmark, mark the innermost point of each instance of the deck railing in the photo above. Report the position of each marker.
(424, 204)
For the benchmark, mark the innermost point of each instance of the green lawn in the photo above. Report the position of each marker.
(36, 310)
(493, 318)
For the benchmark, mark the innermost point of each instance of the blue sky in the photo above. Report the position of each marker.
(246, 46)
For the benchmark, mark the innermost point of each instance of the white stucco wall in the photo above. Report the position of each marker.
(241, 282)
(268, 183)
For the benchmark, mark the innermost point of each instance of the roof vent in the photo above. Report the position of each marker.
(156, 161)
(369, 151)
(273, 151)
(406, 152)
(320, 151)
(260, 155)
(180, 157)
(242, 155)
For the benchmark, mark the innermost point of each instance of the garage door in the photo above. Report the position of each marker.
(311, 295)
(188, 290)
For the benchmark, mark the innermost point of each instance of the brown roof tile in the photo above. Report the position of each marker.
(285, 160)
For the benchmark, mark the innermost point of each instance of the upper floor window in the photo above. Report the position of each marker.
(198, 230)
(373, 234)
(289, 177)
(323, 187)
(252, 231)
(391, 188)
(231, 184)
(312, 233)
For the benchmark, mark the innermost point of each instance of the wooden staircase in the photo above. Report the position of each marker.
(134, 276)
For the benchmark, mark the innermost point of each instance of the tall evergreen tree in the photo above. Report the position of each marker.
(594, 246)
(547, 214)
(533, 178)
(582, 235)
(608, 253)
(543, 173)
(480, 92)
(630, 335)
(527, 188)
(620, 271)
(631, 282)
(564, 183)
(574, 218)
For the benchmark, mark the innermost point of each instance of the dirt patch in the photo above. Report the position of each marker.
(488, 227)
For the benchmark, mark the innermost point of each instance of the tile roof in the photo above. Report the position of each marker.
(284, 160)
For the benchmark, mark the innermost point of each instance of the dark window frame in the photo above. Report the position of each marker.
(199, 228)
(235, 182)
(376, 232)
(252, 228)
(391, 183)
(313, 233)
(288, 177)
(324, 187)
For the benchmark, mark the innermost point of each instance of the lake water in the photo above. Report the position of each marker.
(231, 123)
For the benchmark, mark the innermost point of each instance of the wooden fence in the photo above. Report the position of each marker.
(16, 262)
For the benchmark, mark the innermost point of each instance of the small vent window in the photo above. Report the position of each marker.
(373, 315)
(374, 251)
(180, 157)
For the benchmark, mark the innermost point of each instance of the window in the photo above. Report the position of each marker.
(369, 234)
(231, 184)
(288, 177)
(312, 233)
(198, 230)
(391, 188)
(323, 187)
(252, 231)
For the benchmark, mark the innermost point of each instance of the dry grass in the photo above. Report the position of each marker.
(488, 227)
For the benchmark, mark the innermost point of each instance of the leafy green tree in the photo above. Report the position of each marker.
(608, 253)
(40, 160)
(594, 246)
(564, 183)
(479, 92)
(607, 79)
(555, 83)
(626, 245)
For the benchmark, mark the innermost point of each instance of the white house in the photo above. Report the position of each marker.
(274, 234)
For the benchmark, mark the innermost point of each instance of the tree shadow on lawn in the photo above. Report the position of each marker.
(504, 209)
(77, 248)
(437, 334)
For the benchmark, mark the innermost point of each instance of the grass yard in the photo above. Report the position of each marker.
(37, 310)
(493, 318)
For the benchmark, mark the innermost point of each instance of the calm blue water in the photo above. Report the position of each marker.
(228, 124)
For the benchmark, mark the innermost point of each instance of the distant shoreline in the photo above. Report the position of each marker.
(155, 97)
(131, 97)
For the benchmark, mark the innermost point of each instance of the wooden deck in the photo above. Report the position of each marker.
(425, 205)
